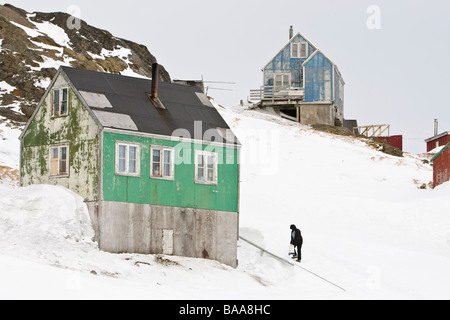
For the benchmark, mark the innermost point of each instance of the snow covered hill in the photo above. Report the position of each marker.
(368, 228)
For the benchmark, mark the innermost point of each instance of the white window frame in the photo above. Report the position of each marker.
(298, 47)
(127, 145)
(282, 74)
(204, 180)
(162, 162)
(59, 160)
(60, 102)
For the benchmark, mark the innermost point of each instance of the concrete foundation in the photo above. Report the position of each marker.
(147, 229)
(311, 114)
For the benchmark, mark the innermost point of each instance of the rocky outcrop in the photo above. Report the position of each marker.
(33, 46)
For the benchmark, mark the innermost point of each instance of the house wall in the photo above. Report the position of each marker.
(283, 63)
(338, 95)
(318, 79)
(145, 229)
(439, 142)
(394, 141)
(78, 130)
(441, 168)
(311, 114)
(180, 192)
(137, 212)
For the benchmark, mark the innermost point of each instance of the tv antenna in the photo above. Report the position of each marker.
(207, 88)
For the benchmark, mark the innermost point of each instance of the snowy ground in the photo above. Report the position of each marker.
(367, 228)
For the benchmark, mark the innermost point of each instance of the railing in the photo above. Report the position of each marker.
(373, 131)
(269, 93)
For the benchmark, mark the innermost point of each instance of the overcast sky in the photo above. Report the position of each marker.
(397, 71)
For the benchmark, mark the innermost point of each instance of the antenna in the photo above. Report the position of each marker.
(217, 82)
(201, 84)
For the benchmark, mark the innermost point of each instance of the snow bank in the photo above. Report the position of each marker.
(44, 212)
(43, 222)
(10, 146)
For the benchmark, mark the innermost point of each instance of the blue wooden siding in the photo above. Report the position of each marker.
(283, 63)
(318, 79)
(338, 90)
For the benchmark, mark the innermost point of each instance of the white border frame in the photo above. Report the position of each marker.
(216, 167)
(172, 162)
(299, 47)
(281, 74)
(59, 146)
(138, 159)
(60, 102)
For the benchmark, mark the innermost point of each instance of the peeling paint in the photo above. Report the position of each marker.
(77, 129)
(180, 192)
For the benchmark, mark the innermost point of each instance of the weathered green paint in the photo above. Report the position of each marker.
(78, 130)
(182, 191)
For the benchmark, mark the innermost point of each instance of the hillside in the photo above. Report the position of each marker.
(34, 45)
(373, 228)
(367, 225)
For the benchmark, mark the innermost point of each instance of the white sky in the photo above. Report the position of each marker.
(395, 75)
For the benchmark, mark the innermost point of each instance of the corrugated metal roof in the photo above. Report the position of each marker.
(443, 134)
(128, 100)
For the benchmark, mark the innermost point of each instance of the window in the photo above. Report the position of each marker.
(282, 80)
(206, 167)
(127, 159)
(303, 50)
(60, 102)
(59, 164)
(299, 50)
(162, 162)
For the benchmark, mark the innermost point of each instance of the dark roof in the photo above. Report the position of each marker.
(128, 107)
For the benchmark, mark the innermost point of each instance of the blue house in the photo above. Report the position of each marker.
(300, 82)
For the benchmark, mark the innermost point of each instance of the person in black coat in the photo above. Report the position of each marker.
(297, 242)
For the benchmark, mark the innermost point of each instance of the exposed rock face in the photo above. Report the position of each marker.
(33, 46)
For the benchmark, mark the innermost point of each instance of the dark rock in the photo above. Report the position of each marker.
(19, 55)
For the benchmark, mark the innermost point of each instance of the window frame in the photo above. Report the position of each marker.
(298, 46)
(127, 144)
(162, 162)
(215, 156)
(59, 114)
(282, 74)
(51, 158)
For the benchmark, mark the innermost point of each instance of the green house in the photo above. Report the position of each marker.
(155, 162)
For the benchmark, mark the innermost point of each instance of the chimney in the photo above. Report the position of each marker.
(436, 125)
(291, 33)
(155, 80)
(153, 96)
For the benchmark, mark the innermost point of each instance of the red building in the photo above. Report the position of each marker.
(394, 141)
(438, 141)
(441, 166)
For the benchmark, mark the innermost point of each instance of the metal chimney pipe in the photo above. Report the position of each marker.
(291, 33)
(436, 127)
(155, 80)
